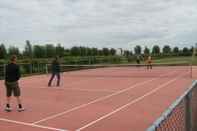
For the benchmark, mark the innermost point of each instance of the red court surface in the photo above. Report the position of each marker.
(95, 101)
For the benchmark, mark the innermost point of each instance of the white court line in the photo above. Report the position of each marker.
(31, 125)
(129, 104)
(64, 76)
(99, 99)
(77, 89)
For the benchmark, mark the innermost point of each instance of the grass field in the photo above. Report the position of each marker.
(177, 60)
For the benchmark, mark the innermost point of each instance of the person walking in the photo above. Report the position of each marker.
(55, 71)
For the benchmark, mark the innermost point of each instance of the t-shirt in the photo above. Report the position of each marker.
(12, 73)
(55, 67)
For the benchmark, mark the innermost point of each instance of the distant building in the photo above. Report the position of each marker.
(119, 51)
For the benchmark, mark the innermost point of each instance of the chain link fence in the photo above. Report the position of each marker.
(181, 115)
(26, 69)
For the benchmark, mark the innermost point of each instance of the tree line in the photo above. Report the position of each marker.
(49, 51)
(167, 50)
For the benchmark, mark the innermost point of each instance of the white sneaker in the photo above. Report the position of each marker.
(8, 109)
(21, 109)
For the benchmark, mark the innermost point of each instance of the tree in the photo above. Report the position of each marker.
(39, 51)
(28, 52)
(59, 50)
(176, 51)
(100, 52)
(3, 51)
(130, 53)
(83, 51)
(166, 50)
(75, 51)
(126, 53)
(138, 50)
(106, 51)
(191, 50)
(186, 51)
(12, 50)
(156, 50)
(94, 51)
(50, 50)
(67, 52)
(112, 51)
(146, 51)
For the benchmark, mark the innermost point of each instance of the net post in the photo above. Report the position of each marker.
(46, 68)
(188, 112)
(193, 57)
(31, 68)
(191, 71)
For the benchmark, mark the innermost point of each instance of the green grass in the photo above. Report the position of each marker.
(178, 59)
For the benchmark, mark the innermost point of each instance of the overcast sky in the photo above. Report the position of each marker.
(99, 23)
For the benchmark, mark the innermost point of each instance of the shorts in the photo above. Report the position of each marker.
(12, 88)
(149, 62)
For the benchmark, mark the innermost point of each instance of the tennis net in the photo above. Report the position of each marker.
(26, 69)
(127, 70)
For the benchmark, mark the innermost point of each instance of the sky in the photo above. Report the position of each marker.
(99, 23)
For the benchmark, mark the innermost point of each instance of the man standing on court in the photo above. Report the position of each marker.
(12, 76)
(138, 60)
(149, 62)
(55, 71)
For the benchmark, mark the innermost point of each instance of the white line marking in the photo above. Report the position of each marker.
(77, 89)
(91, 90)
(99, 99)
(130, 103)
(31, 125)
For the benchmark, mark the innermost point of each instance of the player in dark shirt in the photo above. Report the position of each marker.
(12, 76)
(55, 71)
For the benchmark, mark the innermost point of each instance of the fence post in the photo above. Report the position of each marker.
(30, 68)
(46, 69)
(188, 112)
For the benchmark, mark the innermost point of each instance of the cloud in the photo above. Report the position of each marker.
(99, 23)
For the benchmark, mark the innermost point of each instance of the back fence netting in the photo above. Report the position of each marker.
(127, 70)
(2, 71)
(109, 70)
(26, 69)
(36, 68)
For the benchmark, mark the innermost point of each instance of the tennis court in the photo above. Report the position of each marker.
(98, 99)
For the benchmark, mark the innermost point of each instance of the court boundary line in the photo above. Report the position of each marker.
(94, 101)
(98, 100)
(31, 125)
(76, 89)
(129, 104)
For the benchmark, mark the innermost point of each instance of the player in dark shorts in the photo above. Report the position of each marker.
(12, 76)
(149, 63)
(55, 71)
